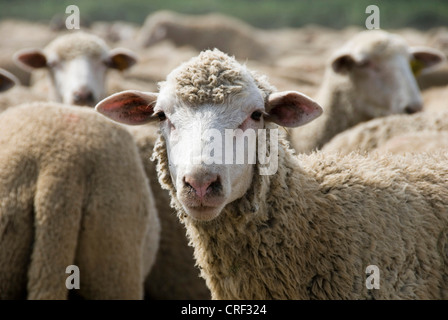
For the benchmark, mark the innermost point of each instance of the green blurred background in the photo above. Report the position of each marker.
(418, 14)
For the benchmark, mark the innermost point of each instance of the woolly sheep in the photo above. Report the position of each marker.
(203, 32)
(174, 275)
(412, 142)
(372, 134)
(307, 230)
(368, 77)
(72, 192)
(76, 64)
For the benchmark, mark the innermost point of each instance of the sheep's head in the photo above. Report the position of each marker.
(7, 80)
(77, 64)
(204, 106)
(382, 69)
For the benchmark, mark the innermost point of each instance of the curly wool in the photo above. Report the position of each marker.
(310, 230)
(212, 77)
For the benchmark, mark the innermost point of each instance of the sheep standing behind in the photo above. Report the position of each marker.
(368, 77)
(72, 192)
(307, 230)
(76, 65)
(373, 134)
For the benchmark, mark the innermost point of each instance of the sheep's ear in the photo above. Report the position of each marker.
(7, 80)
(343, 61)
(424, 57)
(121, 59)
(129, 107)
(30, 59)
(291, 109)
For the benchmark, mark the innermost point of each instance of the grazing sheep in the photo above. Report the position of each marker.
(369, 77)
(372, 134)
(203, 32)
(7, 80)
(414, 142)
(76, 64)
(72, 192)
(174, 275)
(306, 230)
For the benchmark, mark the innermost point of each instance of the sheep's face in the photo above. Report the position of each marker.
(77, 74)
(203, 141)
(382, 71)
(211, 111)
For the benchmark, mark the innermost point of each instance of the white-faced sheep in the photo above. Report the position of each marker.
(76, 64)
(204, 32)
(372, 134)
(368, 77)
(72, 192)
(306, 231)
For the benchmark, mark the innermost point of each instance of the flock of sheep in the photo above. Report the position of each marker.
(362, 161)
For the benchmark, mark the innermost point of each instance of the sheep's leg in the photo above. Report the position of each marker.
(58, 206)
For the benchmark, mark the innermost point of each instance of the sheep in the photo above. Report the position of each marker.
(174, 275)
(203, 32)
(423, 141)
(372, 134)
(7, 80)
(368, 77)
(72, 192)
(76, 64)
(287, 226)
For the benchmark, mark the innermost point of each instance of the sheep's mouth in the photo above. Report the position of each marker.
(203, 213)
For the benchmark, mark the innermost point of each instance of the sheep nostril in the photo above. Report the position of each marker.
(202, 186)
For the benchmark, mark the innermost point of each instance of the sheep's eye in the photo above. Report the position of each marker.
(161, 116)
(256, 115)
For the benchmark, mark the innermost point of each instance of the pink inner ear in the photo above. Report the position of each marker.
(127, 108)
(292, 109)
(287, 115)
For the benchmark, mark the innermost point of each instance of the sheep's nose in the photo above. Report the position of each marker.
(202, 185)
(413, 108)
(83, 97)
